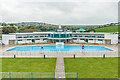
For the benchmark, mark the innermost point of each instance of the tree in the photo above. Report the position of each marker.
(18, 27)
(43, 28)
(12, 24)
(22, 28)
(91, 29)
(7, 30)
(4, 24)
(30, 27)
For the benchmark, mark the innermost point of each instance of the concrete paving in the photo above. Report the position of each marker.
(59, 71)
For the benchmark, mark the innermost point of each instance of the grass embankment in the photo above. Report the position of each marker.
(28, 65)
(93, 67)
(107, 29)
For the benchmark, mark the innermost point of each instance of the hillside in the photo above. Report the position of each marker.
(107, 29)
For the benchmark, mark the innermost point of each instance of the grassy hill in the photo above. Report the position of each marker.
(107, 29)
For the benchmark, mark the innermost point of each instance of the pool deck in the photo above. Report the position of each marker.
(55, 54)
(60, 71)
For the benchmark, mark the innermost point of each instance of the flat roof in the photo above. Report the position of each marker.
(59, 32)
(90, 33)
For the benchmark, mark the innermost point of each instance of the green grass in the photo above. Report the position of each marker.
(107, 29)
(28, 65)
(93, 67)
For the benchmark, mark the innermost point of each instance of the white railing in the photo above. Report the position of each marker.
(59, 43)
(60, 53)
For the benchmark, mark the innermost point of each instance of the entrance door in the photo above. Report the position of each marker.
(57, 40)
(11, 42)
(86, 40)
(33, 40)
(62, 40)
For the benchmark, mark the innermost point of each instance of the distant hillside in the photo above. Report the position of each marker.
(82, 26)
(24, 24)
(107, 29)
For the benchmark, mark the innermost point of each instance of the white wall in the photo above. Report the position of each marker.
(99, 42)
(23, 41)
(30, 41)
(113, 37)
(7, 37)
(79, 41)
(91, 41)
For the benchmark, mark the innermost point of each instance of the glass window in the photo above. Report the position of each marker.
(44, 39)
(19, 37)
(82, 39)
(37, 39)
(25, 37)
(31, 36)
(19, 40)
(90, 39)
(36, 36)
(93, 36)
(100, 40)
(41, 36)
(86, 36)
(74, 39)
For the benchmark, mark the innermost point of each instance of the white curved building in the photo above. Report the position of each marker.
(59, 36)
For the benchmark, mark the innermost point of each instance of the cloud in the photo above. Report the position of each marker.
(60, 12)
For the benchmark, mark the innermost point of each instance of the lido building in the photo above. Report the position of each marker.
(59, 36)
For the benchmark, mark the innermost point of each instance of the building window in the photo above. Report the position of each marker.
(80, 36)
(74, 39)
(44, 39)
(100, 40)
(37, 39)
(28, 39)
(25, 37)
(93, 36)
(41, 36)
(19, 37)
(31, 36)
(36, 36)
(90, 39)
(75, 35)
(86, 36)
(82, 39)
(19, 40)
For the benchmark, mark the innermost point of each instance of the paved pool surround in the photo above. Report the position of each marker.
(114, 53)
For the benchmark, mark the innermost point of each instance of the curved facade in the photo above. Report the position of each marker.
(53, 37)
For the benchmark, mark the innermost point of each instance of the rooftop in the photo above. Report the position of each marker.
(61, 33)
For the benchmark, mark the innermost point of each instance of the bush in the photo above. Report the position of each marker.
(7, 30)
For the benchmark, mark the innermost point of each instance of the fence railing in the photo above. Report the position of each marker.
(71, 75)
(65, 54)
(32, 75)
(27, 75)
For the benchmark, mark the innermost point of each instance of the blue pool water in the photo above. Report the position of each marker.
(60, 48)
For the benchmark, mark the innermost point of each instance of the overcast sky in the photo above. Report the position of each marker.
(60, 11)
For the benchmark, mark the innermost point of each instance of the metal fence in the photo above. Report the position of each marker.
(71, 75)
(65, 54)
(32, 75)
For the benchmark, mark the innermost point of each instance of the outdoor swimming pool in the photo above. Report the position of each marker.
(60, 48)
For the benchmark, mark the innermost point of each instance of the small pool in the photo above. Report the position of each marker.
(60, 48)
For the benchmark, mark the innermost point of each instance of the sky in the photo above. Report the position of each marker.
(81, 12)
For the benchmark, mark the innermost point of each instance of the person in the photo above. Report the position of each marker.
(82, 46)
(41, 48)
